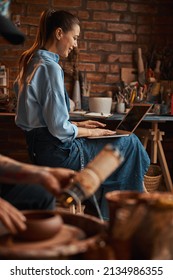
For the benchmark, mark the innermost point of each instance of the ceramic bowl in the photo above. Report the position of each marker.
(100, 104)
(41, 225)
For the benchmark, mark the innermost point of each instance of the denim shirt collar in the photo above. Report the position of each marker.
(48, 55)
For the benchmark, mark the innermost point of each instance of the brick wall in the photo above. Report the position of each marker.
(111, 32)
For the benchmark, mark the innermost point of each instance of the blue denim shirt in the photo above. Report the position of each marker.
(42, 98)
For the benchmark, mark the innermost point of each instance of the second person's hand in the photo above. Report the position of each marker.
(11, 217)
(54, 179)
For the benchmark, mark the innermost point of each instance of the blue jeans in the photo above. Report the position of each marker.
(46, 149)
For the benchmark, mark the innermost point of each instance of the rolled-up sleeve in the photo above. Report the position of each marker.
(54, 105)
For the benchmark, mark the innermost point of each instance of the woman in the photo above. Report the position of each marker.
(43, 111)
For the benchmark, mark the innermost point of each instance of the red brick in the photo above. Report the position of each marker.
(107, 16)
(18, 8)
(121, 27)
(119, 7)
(89, 57)
(83, 15)
(33, 30)
(128, 18)
(36, 10)
(88, 67)
(11, 53)
(95, 77)
(103, 47)
(113, 58)
(30, 20)
(99, 88)
(93, 25)
(101, 36)
(67, 3)
(114, 68)
(110, 79)
(98, 5)
(125, 37)
(82, 45)
(104, 68)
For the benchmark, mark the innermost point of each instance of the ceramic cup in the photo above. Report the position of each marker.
(100, 104)
(120, 107)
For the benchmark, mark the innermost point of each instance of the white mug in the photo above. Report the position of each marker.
(100, 104)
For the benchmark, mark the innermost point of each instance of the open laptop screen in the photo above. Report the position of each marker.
(133, 117)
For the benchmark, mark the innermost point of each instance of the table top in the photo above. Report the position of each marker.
(148, 117)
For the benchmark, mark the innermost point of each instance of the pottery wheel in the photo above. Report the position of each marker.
(76, 235)
(68, 235)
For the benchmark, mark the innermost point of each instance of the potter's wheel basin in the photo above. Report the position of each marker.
(77, 235)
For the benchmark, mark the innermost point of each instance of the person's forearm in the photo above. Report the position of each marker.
(12, 171)
(83, 132)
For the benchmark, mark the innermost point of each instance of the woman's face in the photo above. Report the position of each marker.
(67, 41)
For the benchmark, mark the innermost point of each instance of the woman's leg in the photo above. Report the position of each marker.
(129, 175)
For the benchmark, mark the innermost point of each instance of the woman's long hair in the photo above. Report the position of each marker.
(50, 20)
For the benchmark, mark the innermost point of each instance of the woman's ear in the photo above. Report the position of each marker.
(58, 33)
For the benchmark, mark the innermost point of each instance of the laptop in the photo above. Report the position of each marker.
(130, 121)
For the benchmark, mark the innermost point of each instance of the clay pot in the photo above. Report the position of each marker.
(141, 224)
(80, 237)
(41, 225)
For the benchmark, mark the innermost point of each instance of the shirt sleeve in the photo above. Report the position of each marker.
(52, 98)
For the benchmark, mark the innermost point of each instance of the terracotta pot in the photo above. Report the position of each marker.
(40, 225)
(141, 224)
